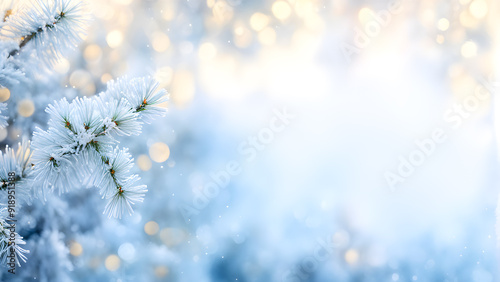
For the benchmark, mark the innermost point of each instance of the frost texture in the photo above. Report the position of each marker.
(48, 27)
(74, 142)
(79, 143)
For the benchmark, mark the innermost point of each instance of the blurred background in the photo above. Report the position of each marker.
(291, 148)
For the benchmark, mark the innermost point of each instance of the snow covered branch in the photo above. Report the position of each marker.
(50, 27)
(14, 170)
(78, 146)
(10, 239)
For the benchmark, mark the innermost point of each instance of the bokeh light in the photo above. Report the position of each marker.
(267, 36)
(62, 66)
(183, 88)
(281, 10)
(351, 256)
(144, 163)
(469, 49)
(478, 8)
(114, 38)
(26, 107)
(160, 42)
(161, 271)
(159, 152)
(365, 14)
(207, 51)
(151, 228)
(75, 249)
(259, 21)
(443, 24)
(112, 263)
(92, 53)
(4, 94)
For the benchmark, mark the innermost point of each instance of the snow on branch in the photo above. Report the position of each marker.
(49, 27)
(79, 145)
(8, 240)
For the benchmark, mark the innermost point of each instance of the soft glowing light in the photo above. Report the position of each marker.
(281, 10)
(455, 70)
(303, 39)
(105, 11)
(159, 152)
(222, 78)
(222, 12)
(168, 13)
(160, 42)
(428, 17)
(365, 14)
(106, 77)
(26, 107)
(161, 271)
(467, 20)
(469, 49)
(75, 249)
(267, 36)
(242, 36)
(92, 53)
(463, 84)
(144, 163)
(114, 38)
(82, 80)
(207, 51)
(151, 228)
(62, 66)
(443, 24)
(124, 17)
(440, 39)
(210, 3)
(351, 256)
(183, 88)
(303, 7)
(258, 21)
(4, 94)
(478, 9)
(79, 78)
(464, 2)
(313, 21)
(239, 30)
(112, 263)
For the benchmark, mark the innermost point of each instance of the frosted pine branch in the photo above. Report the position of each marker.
(6, 244)
(142, 95)
(79, 143)
(19, 162)
(15, 168)
(10, 69)
(7, 8)
(49, 26)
